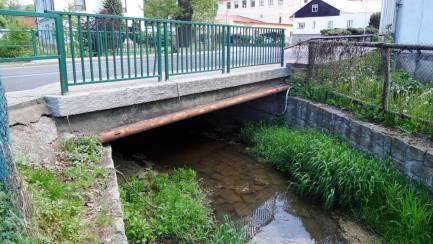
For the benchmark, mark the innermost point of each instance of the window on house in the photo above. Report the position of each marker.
(262, 2)
(236, 4)
(80, 4)
(253, 3)
(229, 5)
(315, 8)
(314, 24)
(349, 23)
(280, 2)
(124, 6)
(301, 25)
(271, 2)
(330, 24)
(244, 3)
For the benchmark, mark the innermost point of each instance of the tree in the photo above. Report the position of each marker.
(204, 10)
(113, 7)
(161, 9)
(375, 20)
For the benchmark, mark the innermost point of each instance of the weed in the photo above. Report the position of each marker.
(12, 228)
(328, 169)
(59, 194)
(170, 207)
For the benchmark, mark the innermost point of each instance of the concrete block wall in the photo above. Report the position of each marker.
(413, 157)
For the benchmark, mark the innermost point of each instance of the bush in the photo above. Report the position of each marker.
(328, 169)
(11, 222)
(349, 31)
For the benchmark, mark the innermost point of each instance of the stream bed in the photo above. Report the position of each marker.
(239, 185)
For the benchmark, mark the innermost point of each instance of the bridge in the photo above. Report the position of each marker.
(116, 76)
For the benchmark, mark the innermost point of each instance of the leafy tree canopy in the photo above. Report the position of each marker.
(203, 10)
(113, 7)
(375, 20)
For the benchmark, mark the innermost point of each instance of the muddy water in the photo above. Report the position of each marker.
(237, 183)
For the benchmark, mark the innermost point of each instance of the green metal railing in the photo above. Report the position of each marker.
(107, 48)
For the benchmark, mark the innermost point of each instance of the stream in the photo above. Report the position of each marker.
(237, 184)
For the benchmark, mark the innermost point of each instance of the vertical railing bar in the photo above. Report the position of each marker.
(71, 43)
(128, 51)
(147, 48)
(172, 46)
(90, 43)
(209, 43)
(223, 49)
(134, 39)
(186, 45)
(182, 43)
(80, 37)
(195, 47)
(122, 73)
(283, 39)
(60, 44)
(228, 49)
(178, 35)
(106, 50)
(190, 46)
(141, 49)
(158, 32)
(113, 45)
(166, 54)
(199, 47)
(98, 47)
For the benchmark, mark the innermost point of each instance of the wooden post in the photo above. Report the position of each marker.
(311, 62)
(386, 53)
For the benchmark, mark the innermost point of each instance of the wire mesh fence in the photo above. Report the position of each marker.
(6, 164)
(387, 83)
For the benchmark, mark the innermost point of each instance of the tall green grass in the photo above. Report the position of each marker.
(167, 208)
(328, 169)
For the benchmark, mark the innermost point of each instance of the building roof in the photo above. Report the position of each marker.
(239, 19)
(356, 6)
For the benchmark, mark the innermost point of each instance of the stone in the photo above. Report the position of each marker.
(398, 149)
(421, 172)
(429, 159)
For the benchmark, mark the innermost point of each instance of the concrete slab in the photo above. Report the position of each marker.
(92, 98)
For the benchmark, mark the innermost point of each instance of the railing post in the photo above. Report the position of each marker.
(34, 45)
(283, 39)
(61, 52)
(223, 50)
(166, 54)
(387, 77)
(228, 49)
(159, 52)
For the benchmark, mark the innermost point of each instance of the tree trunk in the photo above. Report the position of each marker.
(183, 31)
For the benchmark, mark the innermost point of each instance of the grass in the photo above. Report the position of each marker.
(171, 207)
(362, 79)
(326, 168)
(59, 193)
(12, 228)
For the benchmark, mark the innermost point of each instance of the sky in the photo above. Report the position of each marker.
(25, 2)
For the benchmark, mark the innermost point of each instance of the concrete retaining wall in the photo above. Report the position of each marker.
(413, 157)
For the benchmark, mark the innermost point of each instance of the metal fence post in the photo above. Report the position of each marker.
(158, 46)
(34, 46)
(61, 52)
(228, 49)
(166, 54)
(223, 49)
(283, 39)
(387, 78)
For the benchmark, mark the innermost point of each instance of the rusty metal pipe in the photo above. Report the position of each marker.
(149, 124)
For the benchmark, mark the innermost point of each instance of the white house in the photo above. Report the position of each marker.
(317, 15)
(131, 8)
(267, 11)
(411, 21)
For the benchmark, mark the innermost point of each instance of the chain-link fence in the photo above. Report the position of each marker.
(387, 83)
(6, 164)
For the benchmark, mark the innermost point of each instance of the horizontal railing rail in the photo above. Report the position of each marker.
(106, 48)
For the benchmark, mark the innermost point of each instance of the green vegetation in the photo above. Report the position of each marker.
(409, 105)
(113, 7)
(59, 192)
(374, 20)
(328, 169)
(12, 228)
(196, 10)
(170, 207)
(348, 31)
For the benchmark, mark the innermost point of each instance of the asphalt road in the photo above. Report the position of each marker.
(25, 76)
